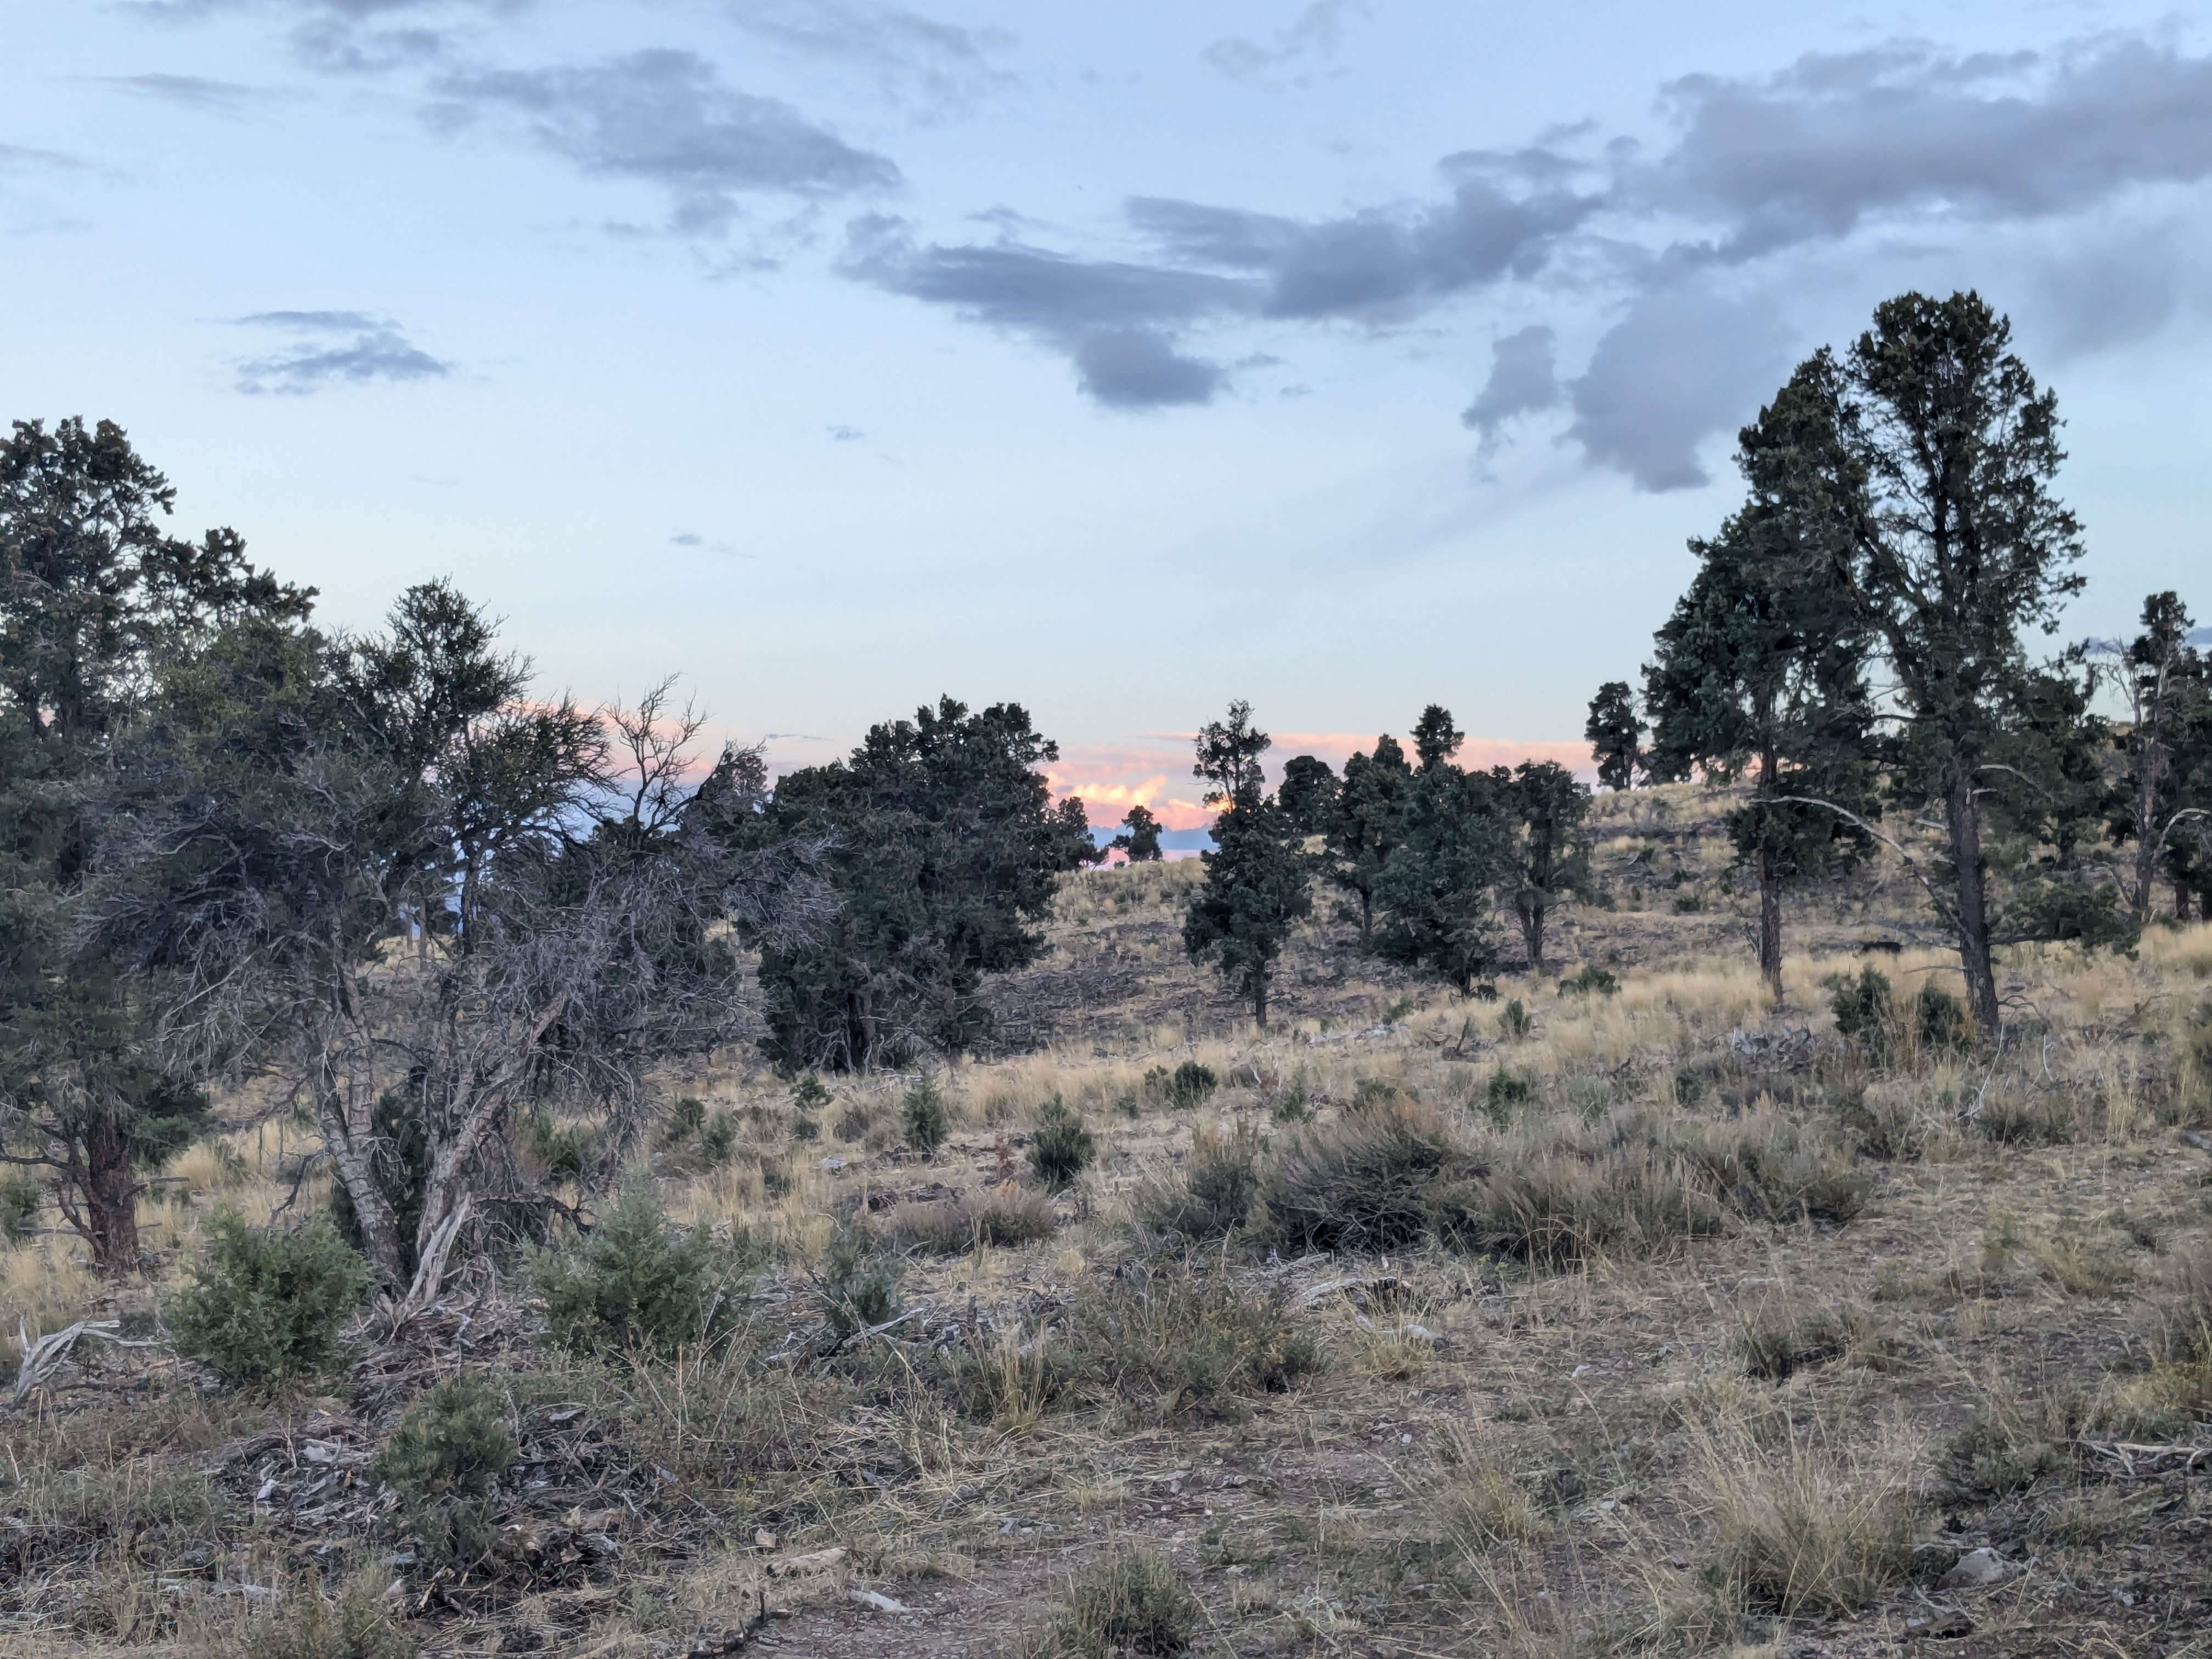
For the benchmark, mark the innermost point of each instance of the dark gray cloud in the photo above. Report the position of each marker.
(1678, 367)
(1117, 321)
(333, 348)
(1523, 380)
(188, 91)
(665, 117)
(1833, 142)
(1315, 35)
(1750, 175)
(912, 58)
(842, 433)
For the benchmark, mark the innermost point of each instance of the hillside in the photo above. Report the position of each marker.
(1633, 1317)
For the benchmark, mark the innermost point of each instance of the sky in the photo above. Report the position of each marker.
(1344, 356)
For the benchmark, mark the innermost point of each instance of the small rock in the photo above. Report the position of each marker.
(833, 1165)
(879, 1601)
(1976, 1570)
(816, 1561)
(764, 1538)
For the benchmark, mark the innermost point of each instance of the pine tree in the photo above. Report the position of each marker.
(1436, 738)
(1616, 735)
(1368, 825)
(1308, 794)
(1257, 877)
(1551, 856)
(1437, 892)
(1761, 670)
(1140, 837)
(1928, 451)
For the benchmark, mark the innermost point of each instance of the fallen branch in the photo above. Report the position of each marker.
(42, 1357)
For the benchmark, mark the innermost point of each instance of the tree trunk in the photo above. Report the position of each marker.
(1769, 921)
(111, 1194)
(1769, 888)
(1366, 920)
(1532, 931)
(1259, 998)
(353, 1154)
(2146, 845)
(1963, 812)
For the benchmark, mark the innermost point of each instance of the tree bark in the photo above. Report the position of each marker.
(1532, 931)
(353, 1154)
(111, 1194)
(1770, 887)
(1963, 813)
(1259, 998)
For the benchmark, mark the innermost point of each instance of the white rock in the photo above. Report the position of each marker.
(1976, 1570)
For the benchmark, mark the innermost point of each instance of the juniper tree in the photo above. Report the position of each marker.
(1140, 837)
(1616, 735)
(1761, 670)
(1933, 454)
(1435, 894)
(943, 846)
(1257, 875)
(2167, 686)
(96, 599)
(1308, 794)
(1549, 857)
(1368, 824)
(1436, 738)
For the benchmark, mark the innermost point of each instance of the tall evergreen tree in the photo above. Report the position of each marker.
(943, 846)
(1932, 450)
(2166, 684)
(1258, 880)
(1436, 738)
(1436, 891)
(1616, 735)
(1308, 794)
(96, 600)
(1368, 825)
(1550, 856)
(1140, 837)
(1761, 670)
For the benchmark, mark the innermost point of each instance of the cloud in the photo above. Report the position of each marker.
(1833, 141)
(845, 434)
(1316, 33)
(333, 348)
(1678, 367)
(1523, 381)
(1683, 252)
(665, 117)
(188, 91)
(941, 67)
(350, 37)
(1117, 321)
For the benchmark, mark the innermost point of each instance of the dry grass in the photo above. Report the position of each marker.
(1682, 1298)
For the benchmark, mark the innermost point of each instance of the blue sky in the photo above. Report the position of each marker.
(1343, 357)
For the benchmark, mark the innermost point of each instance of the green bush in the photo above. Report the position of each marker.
(635, 1282)
(19, 1206)
(1865, 1009)
(262, 1304)
(1190, 1084)
(686, 1119)
(860, 1285)
(1592, 980)
(1060, 1147)
(1213, 1195)
(564, 1149)
(1505, 1091)
(1941, 1019)
(809, 1094)
(441, 1462)
(925, 1118)
(1513, 1021)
